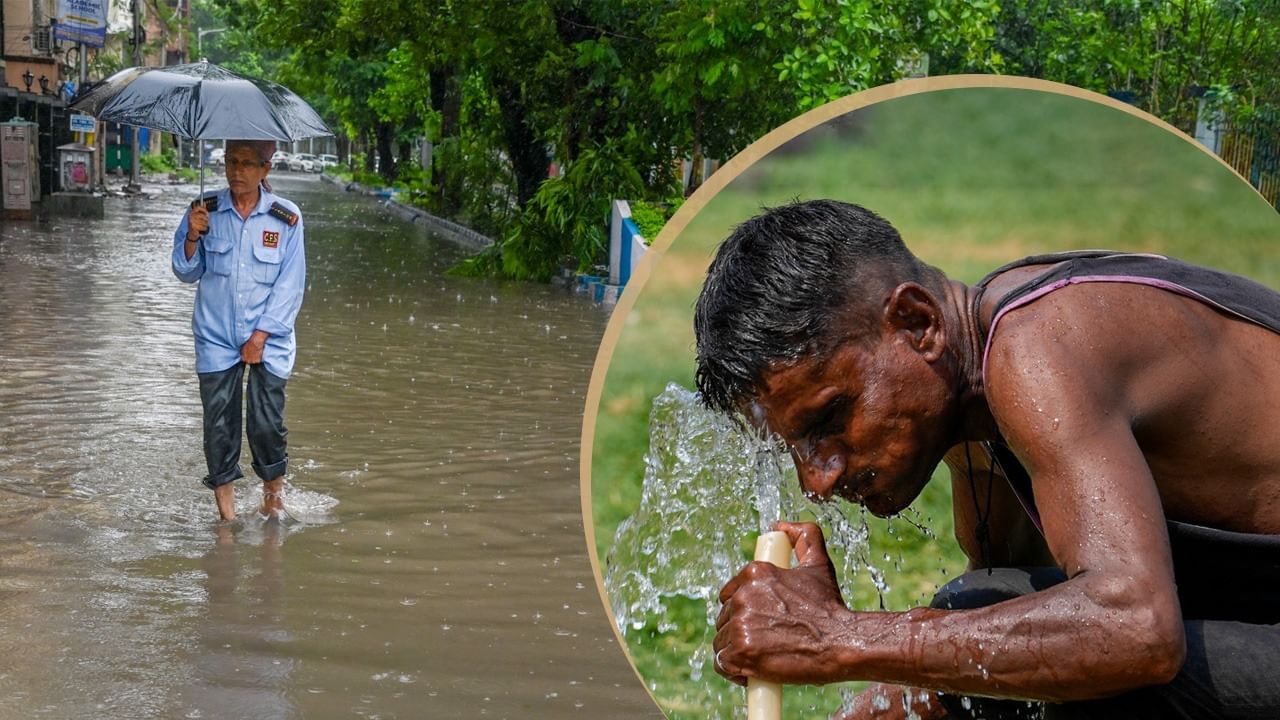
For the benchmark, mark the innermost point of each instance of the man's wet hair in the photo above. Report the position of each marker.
(793, 282)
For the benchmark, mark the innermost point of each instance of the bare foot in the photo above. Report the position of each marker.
(225, 496)
(273, 498)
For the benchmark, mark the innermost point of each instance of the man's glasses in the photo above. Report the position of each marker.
(244, 164)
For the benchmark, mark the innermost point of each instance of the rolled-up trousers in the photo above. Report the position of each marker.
(222, 397)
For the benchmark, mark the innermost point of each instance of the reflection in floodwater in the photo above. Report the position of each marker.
(243, 667)
(435, 564)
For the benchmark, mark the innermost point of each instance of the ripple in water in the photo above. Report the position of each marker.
(710, 487)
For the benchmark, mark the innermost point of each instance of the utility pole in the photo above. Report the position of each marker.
(138, 34)
(81, 80)
(200, 40)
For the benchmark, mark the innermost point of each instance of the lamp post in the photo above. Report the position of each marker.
(200, 39)
(139, 37)
(44, 84)
(28, 77)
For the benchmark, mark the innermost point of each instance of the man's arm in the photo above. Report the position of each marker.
(1114, 625)
(977, 489)
(188, 257)
(286, 294)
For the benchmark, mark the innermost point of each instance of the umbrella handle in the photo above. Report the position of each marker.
(210, 204)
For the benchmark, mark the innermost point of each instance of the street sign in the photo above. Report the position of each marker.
(82, 21)
(83, 123)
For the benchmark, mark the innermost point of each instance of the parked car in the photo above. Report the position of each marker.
(217, 156)
(328, 161)
(304, 162)
(280, 160)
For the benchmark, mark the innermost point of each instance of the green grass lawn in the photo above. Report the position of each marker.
(972, 179)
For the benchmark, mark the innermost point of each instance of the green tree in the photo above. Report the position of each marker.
(501, 89)
(1161, 53)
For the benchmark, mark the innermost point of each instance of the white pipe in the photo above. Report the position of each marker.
(764, 699)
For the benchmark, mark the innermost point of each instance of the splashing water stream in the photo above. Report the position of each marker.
(710, 487)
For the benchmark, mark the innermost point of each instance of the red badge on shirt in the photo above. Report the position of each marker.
(270, 239)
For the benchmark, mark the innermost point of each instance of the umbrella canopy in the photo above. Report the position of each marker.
(202, 101)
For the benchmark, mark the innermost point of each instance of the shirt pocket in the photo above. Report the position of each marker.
(217, 254)
(267, 267)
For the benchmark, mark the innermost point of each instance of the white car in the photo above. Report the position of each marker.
(304, 162)
(217, 156)
(280, 160)
(328, 161)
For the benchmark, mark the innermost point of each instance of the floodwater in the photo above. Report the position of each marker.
(436, 564)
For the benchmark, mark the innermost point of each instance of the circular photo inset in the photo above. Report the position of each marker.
(1001, 355)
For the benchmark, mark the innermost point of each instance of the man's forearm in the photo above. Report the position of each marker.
(1058, 644)
(281, 310)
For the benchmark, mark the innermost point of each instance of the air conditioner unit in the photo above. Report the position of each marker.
(42, 40)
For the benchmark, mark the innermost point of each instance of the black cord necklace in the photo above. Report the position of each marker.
(982, 530)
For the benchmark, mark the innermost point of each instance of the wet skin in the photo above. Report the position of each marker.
(1127, 405)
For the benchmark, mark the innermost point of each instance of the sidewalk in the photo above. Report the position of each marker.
(152, 185)
(461, 234)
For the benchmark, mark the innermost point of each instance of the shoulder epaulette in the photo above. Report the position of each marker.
(281, 212)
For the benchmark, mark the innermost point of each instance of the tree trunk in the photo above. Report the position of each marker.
(527, 153)
(386, 160)
(368, 150)
(344, 149)
(695, 162)
(695, 170)
(446, 99)
(406, 152)
(574, 25)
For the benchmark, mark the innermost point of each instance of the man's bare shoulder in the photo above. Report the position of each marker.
(1192, 386)
(1091, 335)
(1125, 349)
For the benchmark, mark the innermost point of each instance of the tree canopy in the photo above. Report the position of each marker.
(630, 89)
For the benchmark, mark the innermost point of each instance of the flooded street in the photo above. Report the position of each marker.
(437, 567)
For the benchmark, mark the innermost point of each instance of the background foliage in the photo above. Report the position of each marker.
(511, 93)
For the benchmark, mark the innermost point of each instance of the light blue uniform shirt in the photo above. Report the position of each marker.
(252, 273)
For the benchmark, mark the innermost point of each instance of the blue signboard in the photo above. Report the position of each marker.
(83, 123)
(82, 21)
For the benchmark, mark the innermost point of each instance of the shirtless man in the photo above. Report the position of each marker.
(1110, 425)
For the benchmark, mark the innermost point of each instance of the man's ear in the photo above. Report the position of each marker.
(916, 311)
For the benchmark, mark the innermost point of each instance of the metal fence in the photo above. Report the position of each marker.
(1253, 149)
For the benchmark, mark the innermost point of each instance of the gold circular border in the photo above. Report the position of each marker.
(725, 175)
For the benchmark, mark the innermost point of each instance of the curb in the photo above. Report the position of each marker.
(460, 234)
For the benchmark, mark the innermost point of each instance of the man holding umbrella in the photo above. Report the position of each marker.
(244, 246)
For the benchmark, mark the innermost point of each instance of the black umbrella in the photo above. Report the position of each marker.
(202, 101)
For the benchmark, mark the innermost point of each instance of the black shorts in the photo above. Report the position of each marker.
(1228, 584)
(221, 396)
